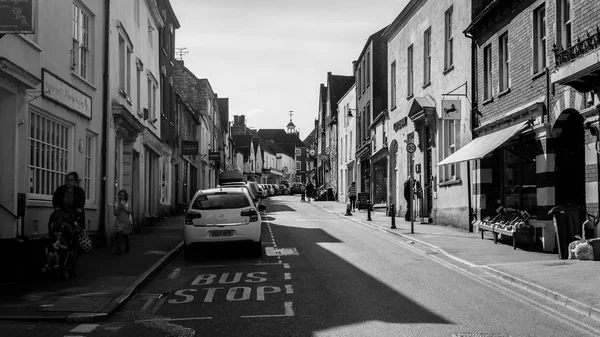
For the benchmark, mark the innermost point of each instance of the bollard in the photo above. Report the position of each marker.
(393, 215)
(369, 212)
(348, 210)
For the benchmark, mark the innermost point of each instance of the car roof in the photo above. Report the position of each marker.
(220, 189)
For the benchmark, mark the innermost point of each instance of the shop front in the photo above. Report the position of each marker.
(379, 174)
(512, 180)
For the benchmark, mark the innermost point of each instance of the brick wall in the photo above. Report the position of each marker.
(524, 85)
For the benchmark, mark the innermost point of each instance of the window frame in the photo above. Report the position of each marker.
(488, 72)
(393, 85)
(564, 29)
(427, 57)
(503, 62)
(448, 39)
(81, 34)
(89, 172)
(450, 145)
(125, 54)
(54, 152)
(539, 39)
(152, 97)
(410, 71)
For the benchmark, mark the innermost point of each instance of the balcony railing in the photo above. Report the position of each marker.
(582, 47)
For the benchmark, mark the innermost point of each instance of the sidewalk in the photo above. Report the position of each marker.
(104, 283)
(571, 283)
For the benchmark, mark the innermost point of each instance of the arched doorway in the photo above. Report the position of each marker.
(570, 159)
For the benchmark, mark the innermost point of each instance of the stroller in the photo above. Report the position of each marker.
(66, 224)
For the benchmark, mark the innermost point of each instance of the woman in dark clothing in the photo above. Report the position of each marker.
(70, 198)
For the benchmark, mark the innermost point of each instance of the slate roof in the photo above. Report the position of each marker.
(310, 139)
(279, 136)
(338, 85)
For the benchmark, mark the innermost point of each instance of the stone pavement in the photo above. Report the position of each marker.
(572, 283)
(104, 283)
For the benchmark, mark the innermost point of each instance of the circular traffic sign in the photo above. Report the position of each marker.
(411, 147)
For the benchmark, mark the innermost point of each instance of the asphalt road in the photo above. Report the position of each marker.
(324, 275)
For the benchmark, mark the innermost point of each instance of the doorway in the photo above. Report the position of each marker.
(570, 162)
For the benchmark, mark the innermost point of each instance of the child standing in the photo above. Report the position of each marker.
(123, 223)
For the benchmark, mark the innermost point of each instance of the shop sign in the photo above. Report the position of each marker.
(189, 147)
(61, 92)
(400, 124)
(16, 16)
(450, 109)
(214, 155)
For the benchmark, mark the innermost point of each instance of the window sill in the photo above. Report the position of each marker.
(505, 92)
(447, 70)
(393, 108)
(539, 74)
(450, 182)
(85, 81)
(426, 85)
(488, 101)
(410, 96)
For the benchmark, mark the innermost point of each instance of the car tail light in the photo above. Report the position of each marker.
(189, 217)
(251, 213)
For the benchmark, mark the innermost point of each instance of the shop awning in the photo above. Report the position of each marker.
(480, 147)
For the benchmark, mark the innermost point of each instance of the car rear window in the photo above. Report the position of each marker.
(221, 200)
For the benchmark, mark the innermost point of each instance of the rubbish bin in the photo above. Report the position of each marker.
(567, 224)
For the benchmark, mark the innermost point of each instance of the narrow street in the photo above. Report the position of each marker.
(323, 275)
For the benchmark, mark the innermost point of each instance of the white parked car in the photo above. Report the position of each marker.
(222, 215)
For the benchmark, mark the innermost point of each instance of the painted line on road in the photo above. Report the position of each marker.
(168, 319)
(289, 289)
(84, 328)
(234, 265)
(175, 273)
(286, 265)
(287, 276)
(160, 303)
(289, 312)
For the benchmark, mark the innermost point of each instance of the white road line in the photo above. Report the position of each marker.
(167, 319)
(175, 273)
(289, 312)
(160, 303)
(84, 328)
(287, 276)
(236, 265)
(289, 289)
(148, 303)
(286, 265)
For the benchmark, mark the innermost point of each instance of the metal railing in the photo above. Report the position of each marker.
(582, 47)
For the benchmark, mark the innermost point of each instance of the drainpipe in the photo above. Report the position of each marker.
(473, 96)
(105, 119)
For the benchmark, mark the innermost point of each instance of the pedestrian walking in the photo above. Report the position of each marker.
(123, 223)
(309, 190)
(352, 195)
(407, 188)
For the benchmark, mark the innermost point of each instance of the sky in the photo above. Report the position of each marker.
(269, 57)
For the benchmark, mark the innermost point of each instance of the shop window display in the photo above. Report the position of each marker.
(514, 185)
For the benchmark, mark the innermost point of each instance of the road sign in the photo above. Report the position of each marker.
(411, 147)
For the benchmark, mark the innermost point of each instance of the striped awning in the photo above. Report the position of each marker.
(480, 147)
